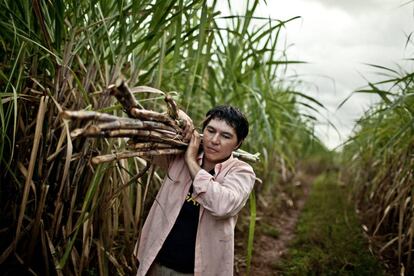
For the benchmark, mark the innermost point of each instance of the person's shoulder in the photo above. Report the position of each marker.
(237, 163)
(177, 159)
(170, 162)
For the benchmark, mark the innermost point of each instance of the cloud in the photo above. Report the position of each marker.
(338, 38)
(358, 7)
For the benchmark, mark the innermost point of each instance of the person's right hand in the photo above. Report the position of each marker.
(188, 126)
(192, 153)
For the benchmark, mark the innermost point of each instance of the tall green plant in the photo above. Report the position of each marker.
(380, 156)
(77, 218)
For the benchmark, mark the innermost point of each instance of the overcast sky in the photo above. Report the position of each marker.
(338, 38)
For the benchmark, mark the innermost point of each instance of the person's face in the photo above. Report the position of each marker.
(219, 141)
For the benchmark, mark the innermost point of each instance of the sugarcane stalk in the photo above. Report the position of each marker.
(149, 145)
(88, 115)
(122, 93)
(163, 136)
(173, 142)
(172, 107)
(114, 122)
(245, 156)
(128, 154)
(127, 123)
(93, 131)
(153, 116)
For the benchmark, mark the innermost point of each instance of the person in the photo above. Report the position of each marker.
(190, 227)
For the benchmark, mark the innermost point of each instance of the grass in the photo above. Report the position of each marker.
(270, 230)
(329, 238)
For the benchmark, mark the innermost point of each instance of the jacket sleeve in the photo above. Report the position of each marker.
(226, 198)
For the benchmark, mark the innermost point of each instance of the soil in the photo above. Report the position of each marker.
(277, 215)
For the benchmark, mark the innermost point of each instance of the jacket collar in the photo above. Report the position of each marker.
(219, 166)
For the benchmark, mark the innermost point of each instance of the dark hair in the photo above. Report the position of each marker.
(232, 116)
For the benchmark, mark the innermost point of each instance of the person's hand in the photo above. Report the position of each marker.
(193, 146)
(192, 152)
(188, 126)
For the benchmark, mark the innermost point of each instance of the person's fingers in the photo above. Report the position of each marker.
(184, 132)
(187, 137)
(193, 139)
(188, 132)
(184, 127)
(196, 137)
(187, 128)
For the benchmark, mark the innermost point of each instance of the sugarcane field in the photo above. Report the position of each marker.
(195, 137)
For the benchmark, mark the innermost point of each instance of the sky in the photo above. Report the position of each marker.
(337, 39)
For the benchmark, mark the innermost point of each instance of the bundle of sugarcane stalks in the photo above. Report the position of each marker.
(150, 133)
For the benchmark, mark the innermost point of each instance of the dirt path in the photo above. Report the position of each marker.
(277, 215)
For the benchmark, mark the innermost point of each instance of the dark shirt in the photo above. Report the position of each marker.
(178, 250)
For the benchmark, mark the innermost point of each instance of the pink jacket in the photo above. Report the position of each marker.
(221, 197)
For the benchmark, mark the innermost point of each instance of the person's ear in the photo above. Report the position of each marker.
(238, 145)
